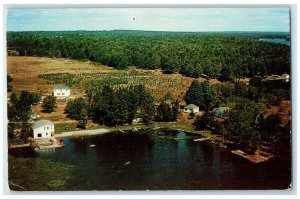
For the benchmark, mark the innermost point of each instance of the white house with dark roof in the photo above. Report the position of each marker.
(61, 91)
(191, 108)
(42, 129)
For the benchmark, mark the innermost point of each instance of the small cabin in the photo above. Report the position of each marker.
(42, 129)
(61, 91)
(220, 112)
(191, 108)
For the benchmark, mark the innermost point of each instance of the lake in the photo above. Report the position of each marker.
(276, 40)
(147, 160)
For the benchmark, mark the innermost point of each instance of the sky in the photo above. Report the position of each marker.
(274, 19)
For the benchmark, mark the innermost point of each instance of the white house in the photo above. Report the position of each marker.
(61, 91)
(42, 129)
(191, 108)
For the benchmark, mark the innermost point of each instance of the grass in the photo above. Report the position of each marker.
(59, 128)
(120, 79)
(40, 74)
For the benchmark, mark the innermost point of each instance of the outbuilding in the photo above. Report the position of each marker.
(220, 111)
(191, 108)
(61, 91)
(42, 129)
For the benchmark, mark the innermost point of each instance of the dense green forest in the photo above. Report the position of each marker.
(218, 55)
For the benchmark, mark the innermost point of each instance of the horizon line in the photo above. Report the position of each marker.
(249, 31)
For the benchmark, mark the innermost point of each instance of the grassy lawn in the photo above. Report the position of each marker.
(59, 128)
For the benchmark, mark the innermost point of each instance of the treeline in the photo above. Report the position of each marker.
(113, 107)
(223, 56)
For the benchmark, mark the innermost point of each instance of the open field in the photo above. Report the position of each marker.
(40, 74)
(25, 71)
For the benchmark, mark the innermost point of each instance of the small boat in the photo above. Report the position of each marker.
(92, 145)
(127, 163)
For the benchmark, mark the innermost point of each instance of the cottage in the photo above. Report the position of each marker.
(42, 129)
(61, 91)
(220, 112)
(191, 108)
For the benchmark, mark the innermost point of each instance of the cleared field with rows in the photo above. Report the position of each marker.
(39, 74)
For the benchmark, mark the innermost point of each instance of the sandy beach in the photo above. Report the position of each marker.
(82, 133)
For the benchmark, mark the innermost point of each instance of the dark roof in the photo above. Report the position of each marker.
(41, 123)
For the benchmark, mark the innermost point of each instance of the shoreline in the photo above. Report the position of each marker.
(87, 132)
(214, 139)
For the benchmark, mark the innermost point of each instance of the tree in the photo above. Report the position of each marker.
(20, 108)
(168, 110)
(26, 131)
(281, 141)
(14, 98)
(191, 54)
(77, 109)
(164, 112)
(202, 95)
(9, 81)
(146, 108)
(82, 123)
(49, 104)
(226, 74)
(225, 89)
(121, 106)
(202, 122)
(11, 130)
(240, 126)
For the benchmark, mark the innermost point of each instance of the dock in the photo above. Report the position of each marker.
(50, 143)
(41, 144)
(200, 139)
(254, 158)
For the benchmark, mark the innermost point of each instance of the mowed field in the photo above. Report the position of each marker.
(25, 72)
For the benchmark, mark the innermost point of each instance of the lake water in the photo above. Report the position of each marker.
(161, 160)
(276, 40)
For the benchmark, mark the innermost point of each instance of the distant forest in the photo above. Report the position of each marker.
(220, 55)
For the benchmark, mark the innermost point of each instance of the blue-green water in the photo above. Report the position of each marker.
(276, 40)
(161, 160)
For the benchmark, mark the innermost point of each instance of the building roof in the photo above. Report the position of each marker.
(221, 109)
(41, 123)
(60, 87)
(191, 106)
